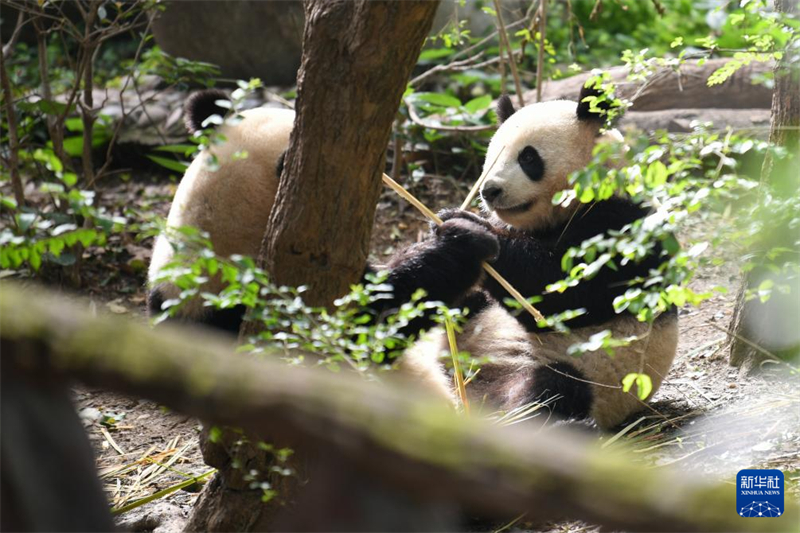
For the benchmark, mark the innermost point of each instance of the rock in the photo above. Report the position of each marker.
(158, 517)
(89, 415)
(246, 39)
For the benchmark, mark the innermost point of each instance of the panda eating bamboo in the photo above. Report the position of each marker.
(523, 235)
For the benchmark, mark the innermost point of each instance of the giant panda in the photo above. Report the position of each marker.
(231, 203)
(524, 236)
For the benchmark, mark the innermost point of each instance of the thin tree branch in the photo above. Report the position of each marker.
(510, 51)
(540, 52)
(13, 144)
(416, 119)
(9, 46)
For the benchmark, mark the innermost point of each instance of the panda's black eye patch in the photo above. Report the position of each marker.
(531, 163)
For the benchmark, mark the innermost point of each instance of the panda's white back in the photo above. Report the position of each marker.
(233, 203)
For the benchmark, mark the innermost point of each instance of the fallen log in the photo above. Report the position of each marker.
(669, 88)
(388, 435)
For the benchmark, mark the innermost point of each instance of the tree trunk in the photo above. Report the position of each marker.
(765, 330)
(378, 440)
(48, 480)
(357, 58)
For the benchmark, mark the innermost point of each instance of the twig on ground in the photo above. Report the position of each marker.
(111, 441)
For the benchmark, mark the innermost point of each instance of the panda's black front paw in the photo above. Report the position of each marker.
(469, 238)
(453, 213)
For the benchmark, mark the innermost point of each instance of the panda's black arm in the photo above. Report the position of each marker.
(530, 263)
(446, 267)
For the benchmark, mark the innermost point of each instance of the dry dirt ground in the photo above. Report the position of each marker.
(707, 418)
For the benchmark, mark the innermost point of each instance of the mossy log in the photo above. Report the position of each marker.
(386, 434)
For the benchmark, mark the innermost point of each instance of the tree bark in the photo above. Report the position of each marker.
(762, 331)
(378, 438)
(357, 58)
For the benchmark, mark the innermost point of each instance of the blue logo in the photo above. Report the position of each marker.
(759, 493)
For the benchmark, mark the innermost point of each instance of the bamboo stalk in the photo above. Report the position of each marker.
(458, 375)
(479, 183)
(399, 189)
(162, 493)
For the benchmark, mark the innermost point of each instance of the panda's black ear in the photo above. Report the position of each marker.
(504, 108)
(201, 105)
(584, 112)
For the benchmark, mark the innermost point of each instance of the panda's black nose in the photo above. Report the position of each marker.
(491, 193)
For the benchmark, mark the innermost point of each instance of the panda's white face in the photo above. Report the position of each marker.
(530, 158)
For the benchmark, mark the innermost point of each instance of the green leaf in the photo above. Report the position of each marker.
(435, 53)
(671, 244)
(439, 99)
(69, 179)
(656, 175)
(765, 290)
(478, 104)
(50, 107)
(24, 221)
(74, 145)
(86, 236)
(171, 164)
(215, 434)
(185, 149)
(56, 246)
(48, 157)
(8, 202)
(644, 385)
(74, 124)
(35, 259)
(587, 195)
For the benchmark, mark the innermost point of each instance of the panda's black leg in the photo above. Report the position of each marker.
(565, 383)
(228, 320)
(155, 299)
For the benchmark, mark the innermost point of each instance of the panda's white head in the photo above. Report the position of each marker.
(532, 155)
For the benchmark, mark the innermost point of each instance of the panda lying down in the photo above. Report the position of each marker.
(523, 235)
